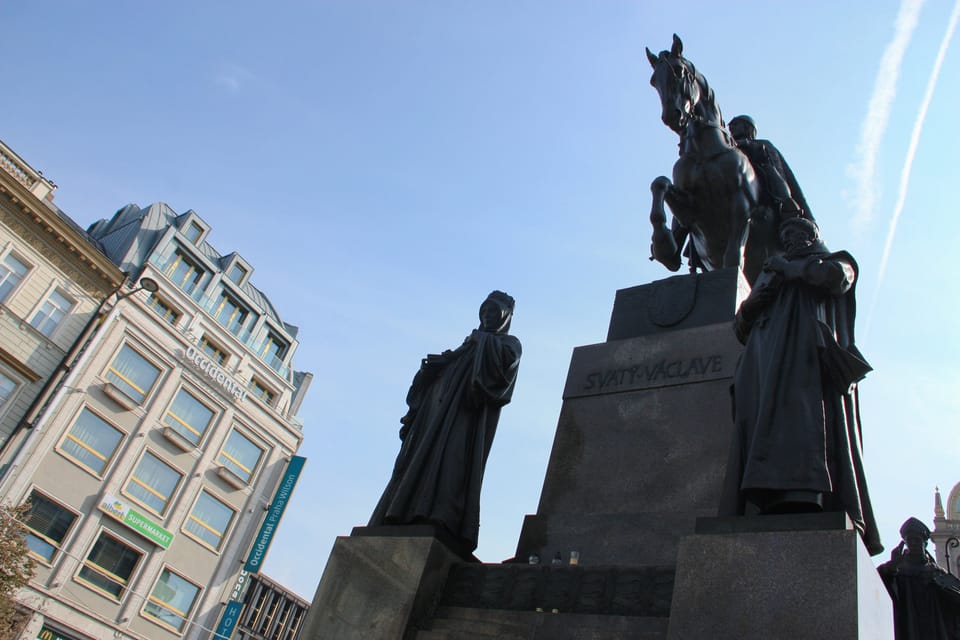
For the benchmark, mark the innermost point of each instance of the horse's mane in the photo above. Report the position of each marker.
(708, 107)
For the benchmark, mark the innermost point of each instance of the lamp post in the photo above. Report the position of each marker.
(951, 543)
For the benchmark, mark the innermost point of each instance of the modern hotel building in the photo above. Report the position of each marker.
(155, 459)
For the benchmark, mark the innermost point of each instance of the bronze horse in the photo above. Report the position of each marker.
(714, 192)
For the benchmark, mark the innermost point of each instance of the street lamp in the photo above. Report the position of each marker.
(146, 284)
(952, 543)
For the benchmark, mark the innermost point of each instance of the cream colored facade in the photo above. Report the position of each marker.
(45, 261)
(946, 530)
(152, 467)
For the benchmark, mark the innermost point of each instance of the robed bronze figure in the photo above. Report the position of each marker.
(926, 599)
(454, 406)
(797, 444)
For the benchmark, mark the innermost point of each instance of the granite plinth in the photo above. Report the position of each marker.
(424, 530)
(640, 450)
(771, 585)
(679, 302)
(378, 587)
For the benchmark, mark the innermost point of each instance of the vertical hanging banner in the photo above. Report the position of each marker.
(231, 613)
(262, 542)
(228, 620)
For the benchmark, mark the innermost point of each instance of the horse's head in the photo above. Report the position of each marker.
(675, 80)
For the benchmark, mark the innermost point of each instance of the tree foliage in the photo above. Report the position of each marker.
(16, 568)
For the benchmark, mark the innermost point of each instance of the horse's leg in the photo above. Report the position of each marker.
(739, 227)
(666, 243)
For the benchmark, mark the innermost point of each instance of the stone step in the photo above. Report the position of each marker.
(617, 591)
(465, 623)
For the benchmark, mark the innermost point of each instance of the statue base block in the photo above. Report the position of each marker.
(378, 587)
(754, 579)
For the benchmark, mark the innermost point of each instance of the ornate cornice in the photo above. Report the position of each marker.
(49, 235)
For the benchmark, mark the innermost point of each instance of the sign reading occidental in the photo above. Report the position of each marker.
(210, 369)
(120, 510)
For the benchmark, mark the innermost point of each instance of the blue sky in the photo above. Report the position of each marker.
(384, 165)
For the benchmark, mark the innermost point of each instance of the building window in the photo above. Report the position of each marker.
(231, 313)
(273, 351)
(188, 416)
(209, 520)
(7, 387)
(52, 312)
(260, 390)
(184, 272)
(193, 232)
(172, 600)
(237, 273)
(12, 271)
(162, 309)
(48, 525)
(153, 482)
(91, 441)
(133, 374)
(240, 455)
(217, 353)
(109, 565)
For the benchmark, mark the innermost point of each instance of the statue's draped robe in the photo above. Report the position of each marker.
(926, 599)
(455, 402)
(796, 414)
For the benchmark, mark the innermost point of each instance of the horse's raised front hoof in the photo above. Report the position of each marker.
(660, 185)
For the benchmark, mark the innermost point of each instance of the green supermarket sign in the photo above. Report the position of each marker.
(120, 510)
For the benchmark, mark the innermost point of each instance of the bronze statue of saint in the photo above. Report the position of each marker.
(926, 599)
(797, 442)
(454, 406)
(779, 188)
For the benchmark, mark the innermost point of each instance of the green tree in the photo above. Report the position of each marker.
(16, 568)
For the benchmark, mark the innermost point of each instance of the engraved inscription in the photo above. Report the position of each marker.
(663, 371)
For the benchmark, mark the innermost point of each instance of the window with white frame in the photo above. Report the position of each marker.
(153, 483)
(109, 565)
(7, 386)
(262, 391)
(52, 312)
(237, 272)
(163, 308)
(188, 416)
(240, 455)
(193, 232)
(209, 520)
(133, 374)
(91, 441)
(12, 272)
(172, 600)
(184, 271)
(273, 351)
(231, 313)
(47, 525)
(217, 353)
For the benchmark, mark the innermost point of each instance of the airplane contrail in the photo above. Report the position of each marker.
(863, 168)
(912, 152)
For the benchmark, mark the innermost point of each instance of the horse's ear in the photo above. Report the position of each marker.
(652, 58)
(677, 47)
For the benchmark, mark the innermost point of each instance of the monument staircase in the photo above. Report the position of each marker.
(532, 602)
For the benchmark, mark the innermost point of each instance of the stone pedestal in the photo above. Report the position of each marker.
(378, 587)
(773, 577)
(642, 442)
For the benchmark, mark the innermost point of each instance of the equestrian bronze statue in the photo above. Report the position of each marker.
(715, 194)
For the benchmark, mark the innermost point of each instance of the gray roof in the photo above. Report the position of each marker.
(132, 234)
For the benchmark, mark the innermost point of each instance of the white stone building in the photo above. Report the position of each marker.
(152, 467)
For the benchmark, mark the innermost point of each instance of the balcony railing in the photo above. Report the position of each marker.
(256, 343)
(24, 173)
